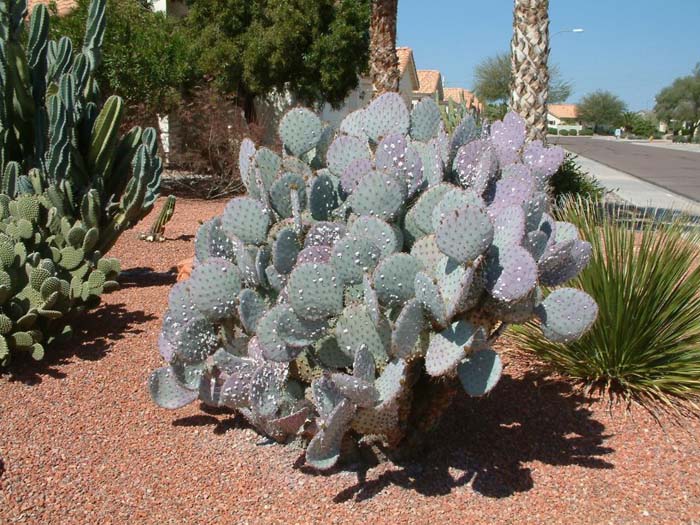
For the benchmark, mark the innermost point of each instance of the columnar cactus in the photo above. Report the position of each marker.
(69, 184)
(366, 276)
(56, 138)
(157, 232)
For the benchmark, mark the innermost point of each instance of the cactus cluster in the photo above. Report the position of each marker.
(56, 139)
(363, 280)
(453, 113)
(69, 184)
(49, 270)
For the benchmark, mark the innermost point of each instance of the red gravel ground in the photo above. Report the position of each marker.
(81, 442)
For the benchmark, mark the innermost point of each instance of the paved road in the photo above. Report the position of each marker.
(677, 171)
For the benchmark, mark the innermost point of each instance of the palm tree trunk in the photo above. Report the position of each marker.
(529, 55)
(383, 62)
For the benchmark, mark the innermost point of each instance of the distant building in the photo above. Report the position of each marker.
(563, 117)
(459, 95)
(429, 85)
(62, 6)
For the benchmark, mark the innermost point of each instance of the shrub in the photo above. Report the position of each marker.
(681, 139)
(69, 184)
(210, 129)
(59, 142)
(571, 180)
(646, 343)
(586, 132)
(552, 131)
(573, 132)
(564, 132)
(361, 281)
(148, 59)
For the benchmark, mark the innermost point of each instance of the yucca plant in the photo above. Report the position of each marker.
(644, 275)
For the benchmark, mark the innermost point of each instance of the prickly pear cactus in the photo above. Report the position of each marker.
(56, 139)
(363, 280)
(49, 270)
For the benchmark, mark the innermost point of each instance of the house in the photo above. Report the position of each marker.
(563, 117)
(429, 85)
(63, 6)
(409, 85)
(459, 95)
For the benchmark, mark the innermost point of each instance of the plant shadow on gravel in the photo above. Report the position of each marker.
(94, 333)
(144, 276)
(487, 442)
(221, 426)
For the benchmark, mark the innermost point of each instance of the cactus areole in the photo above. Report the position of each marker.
(361, 283)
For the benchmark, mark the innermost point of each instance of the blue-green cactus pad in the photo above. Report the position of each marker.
(386, 115)
(359, 391)
(378, 195)
(353, 173)
(246, 219)
(315, 292)
(355, 327)
(214, 286)
(564, 261)
(394, 278)
(251, 307)
(280, 193)
(428, 293)
(449, 347)
(465, 233)
(425, 120)
(300, 130)
(324, 234)
(324, 449)
(323, 197)
(480, 372)
(353, 256)
(453, 200)
(567, 314)
(167, 392)
(407, 329)
(343, 151)
(386, 237)
(510, 274)
(285, 250)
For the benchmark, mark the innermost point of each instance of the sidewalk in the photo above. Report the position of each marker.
(636, 191)
(660, 143)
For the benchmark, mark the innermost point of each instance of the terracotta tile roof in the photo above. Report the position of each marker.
(459, 94)
(63, 6)
(563, 110)
(429, 80)
(404, 54)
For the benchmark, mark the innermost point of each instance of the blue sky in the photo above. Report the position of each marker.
(630, 47)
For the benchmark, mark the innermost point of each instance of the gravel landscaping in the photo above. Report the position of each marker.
(81, 440)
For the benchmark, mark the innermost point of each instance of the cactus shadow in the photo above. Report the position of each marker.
(489, 443)
(220, 425)
(94, 334)
(142, 277)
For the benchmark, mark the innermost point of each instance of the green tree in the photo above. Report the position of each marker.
(601, 109)
(314, 48)
(681, 101)
(493, 77)
(147, 59)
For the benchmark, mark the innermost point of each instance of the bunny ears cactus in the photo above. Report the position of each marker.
(362, 263)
